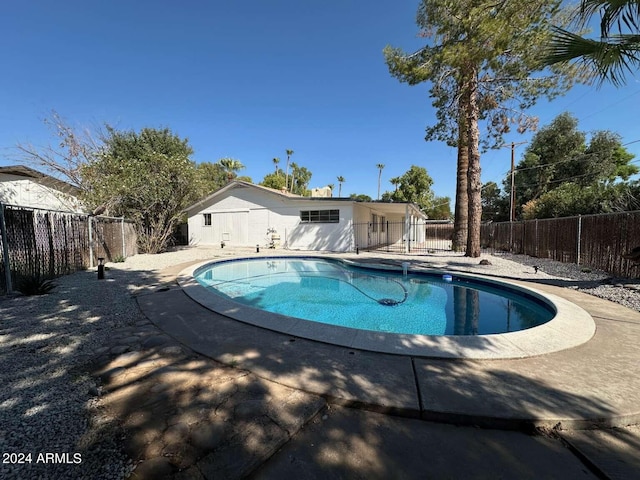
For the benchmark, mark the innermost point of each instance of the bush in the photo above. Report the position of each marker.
(34, 285)
(118, 259)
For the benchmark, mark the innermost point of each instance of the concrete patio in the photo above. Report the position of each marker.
(593, 386)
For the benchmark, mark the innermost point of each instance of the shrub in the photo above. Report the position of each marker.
(118, 259)
(34, 285)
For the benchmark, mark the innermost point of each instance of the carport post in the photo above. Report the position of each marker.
(407, 227)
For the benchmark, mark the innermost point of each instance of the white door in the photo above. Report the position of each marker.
(231, 227)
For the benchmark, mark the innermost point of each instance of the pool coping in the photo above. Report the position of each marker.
(572, 325)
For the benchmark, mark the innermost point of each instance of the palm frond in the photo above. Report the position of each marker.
(609, 60)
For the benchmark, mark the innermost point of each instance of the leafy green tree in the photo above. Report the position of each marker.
(440, 209)
(611, 57)
(558, 154)
(494, 205)
(300, 178)
(274, 180)
(482, 60)
(360, 197)
(210, 177)
(571, 199)
(147, 177)
(413, 186)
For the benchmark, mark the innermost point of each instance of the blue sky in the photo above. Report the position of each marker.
(250, 79)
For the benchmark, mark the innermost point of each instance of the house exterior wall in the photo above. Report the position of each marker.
(245, 216)
(18, 190)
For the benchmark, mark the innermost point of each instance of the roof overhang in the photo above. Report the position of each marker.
(396, 208)
(41, 178)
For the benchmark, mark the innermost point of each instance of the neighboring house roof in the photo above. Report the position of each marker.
(286, 196)
(41, 178)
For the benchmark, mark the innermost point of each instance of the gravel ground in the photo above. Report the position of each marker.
(49, 404)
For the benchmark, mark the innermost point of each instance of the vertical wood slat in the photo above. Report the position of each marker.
(50, 243)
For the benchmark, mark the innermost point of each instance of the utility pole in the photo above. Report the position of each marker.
(512, 202)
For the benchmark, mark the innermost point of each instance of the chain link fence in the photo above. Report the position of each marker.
(47, 244)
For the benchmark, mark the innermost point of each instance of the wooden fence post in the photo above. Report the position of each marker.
(124, 248)
(579, 236)
(89, 219)
(5, 252)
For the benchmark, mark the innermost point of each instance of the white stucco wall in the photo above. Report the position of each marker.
(18, 190)
(243, 215)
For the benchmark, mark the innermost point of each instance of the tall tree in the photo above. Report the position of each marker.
(231, 166)
(413, 186)
(395, 181)
(615, 54)
(276, 161)
(147, 177)
(379, 166)
(341, 180)
(300, 178)
(211, 177)
(440, 209)
(286, 178)
(559, 154)
(482, 60)
(494, 205)
(274, 180)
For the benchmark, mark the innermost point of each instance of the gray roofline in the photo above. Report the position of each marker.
(290, 196)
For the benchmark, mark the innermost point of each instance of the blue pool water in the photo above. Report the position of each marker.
(332, 292)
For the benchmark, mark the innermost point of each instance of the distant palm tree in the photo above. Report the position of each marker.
(286, 178)
(395, 181)
(380, 166)
(276, 161)
(341, 180)
(331, 186)
(231, 166)
(611, 56)
(294, 169)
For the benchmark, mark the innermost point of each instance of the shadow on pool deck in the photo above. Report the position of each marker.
(272, 385)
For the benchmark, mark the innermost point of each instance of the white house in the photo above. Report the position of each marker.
(26, 187)
(244, 214)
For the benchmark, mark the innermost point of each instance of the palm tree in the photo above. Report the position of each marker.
(341, 180)
(294, 168)
(615, 53)
(331, 186)
(380, 166)
(276, 161)
(231, 166)
(286, 178)
(395, 181)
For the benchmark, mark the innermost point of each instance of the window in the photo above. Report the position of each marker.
(320, 216)
(383, 224)
(374, 222)
(207, 219)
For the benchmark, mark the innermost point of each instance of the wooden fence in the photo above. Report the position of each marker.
(48, 243)
(595, 241)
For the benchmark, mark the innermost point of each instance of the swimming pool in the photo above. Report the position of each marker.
(334, 293)
(571, 326)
